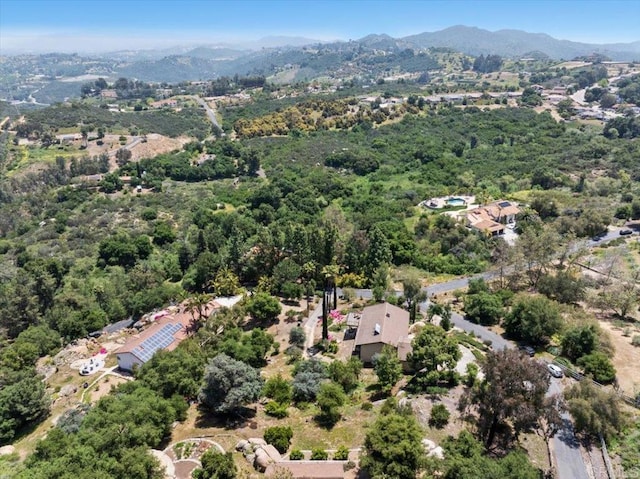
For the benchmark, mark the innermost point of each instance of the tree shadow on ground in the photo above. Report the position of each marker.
(376, 393)
(242, 418)
(326, 421)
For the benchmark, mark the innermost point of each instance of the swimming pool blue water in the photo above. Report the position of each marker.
(456, 202)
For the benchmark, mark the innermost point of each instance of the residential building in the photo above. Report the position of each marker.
(109, 94)
(493, 218)
(382, 324)
(165, 334)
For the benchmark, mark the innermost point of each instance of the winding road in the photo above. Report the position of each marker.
(567, 456)
(211, 112)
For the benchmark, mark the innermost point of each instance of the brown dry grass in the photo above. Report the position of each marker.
(536, 450)
(155, 145)
(103, 387)
(626, 357)
(349, 431)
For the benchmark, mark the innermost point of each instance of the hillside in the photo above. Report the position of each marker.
(370, 57)
(515, 43)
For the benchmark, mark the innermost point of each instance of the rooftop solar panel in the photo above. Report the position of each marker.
(504, 204)
(160, 340)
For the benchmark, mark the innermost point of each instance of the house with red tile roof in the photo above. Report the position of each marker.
(493, 218)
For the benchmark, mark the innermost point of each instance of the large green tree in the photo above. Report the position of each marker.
(533, 319)
(263, 307)
(433, 355)
(393, 447)
(579, 341)
(176, 372)
(21, 402)
(483, 308)
(388, 368)
(594, 410)
(229, 385)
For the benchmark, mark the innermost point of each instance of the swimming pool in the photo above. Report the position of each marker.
(455, 202)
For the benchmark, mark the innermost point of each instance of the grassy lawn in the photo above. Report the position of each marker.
(26, 156)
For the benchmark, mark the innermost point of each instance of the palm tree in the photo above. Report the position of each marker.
(198, 305)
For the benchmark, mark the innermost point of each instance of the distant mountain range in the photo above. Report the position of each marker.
(288, 58)
(516, 43)
(316, 58)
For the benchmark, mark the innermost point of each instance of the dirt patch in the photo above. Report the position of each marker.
(155, 145)
(104, 387)
(422, 406)
(626, 357)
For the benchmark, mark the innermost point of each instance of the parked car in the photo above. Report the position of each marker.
(528, 349)
(555, 371)
(91, 367)
(625, 232)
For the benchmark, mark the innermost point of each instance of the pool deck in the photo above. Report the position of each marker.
(443, 201)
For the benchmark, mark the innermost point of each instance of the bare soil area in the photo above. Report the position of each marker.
(104, 387)
(156, 144)
(626, 357)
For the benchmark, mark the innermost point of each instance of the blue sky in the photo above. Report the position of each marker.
(96, 25)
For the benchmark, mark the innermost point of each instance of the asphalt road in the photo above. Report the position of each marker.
(569, 463)
(211, 113)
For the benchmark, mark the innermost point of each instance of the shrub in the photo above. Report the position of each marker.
(367, 406)
(278, 389)
(294, 353)
(446, 324)
(276, 409)
(279, 437)
(149, 214)
(342, 454)
(635, 341)
(296, 455)
(472, 374)
(439, 416)
(598, 366)
(349, 465)
(318, 454)
(330, 399)
(297, 337)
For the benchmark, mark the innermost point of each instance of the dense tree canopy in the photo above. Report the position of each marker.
(229, 385)
(433, 355)
(393, 447)
(533, 319)
(511, 394)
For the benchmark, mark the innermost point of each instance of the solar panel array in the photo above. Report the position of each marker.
(159, 340)
(504, 204)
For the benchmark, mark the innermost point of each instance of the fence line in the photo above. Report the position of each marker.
(635, 402)
(607, 460)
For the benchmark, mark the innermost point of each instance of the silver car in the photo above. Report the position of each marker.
(555, 371)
